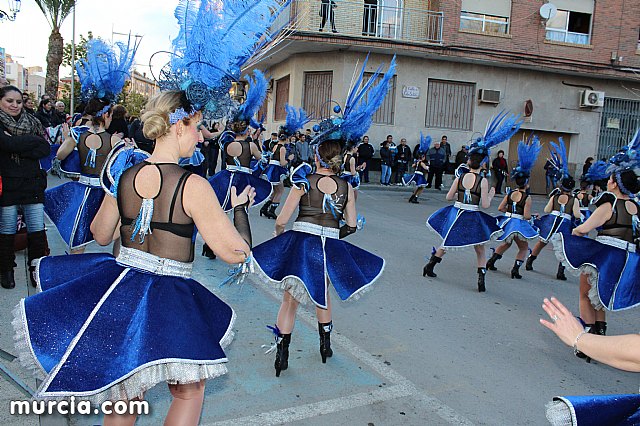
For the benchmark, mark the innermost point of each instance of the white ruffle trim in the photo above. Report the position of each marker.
(561, 413)
(509, 239)
(136, 383)
(588, 269)
(298, 290)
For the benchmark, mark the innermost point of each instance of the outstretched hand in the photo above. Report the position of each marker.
(246, 197)
(563, 323)
(66, 132)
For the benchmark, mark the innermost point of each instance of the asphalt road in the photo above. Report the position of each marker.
(413, 351)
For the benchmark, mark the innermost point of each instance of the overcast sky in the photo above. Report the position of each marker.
(27, 38)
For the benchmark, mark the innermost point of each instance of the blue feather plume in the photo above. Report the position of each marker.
(597, 171)
(105, 70)
(559, 157)
(501, 128)
(296, 120)
(628, 158)
(425, 143)
(255, 96)
(363, 102)
(528, 154)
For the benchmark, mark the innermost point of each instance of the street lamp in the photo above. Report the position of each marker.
(14, 8)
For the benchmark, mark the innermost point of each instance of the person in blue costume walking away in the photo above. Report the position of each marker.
(463, 224)
(73, 205)
(303, 262)
(422, 168)
(516, 206)
(562, 208)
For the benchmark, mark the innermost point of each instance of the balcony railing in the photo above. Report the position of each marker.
(359, 19)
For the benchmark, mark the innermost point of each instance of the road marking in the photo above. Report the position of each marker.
(402, 388)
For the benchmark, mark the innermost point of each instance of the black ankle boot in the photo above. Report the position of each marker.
(207, 252)
(481, 274)
(271, 214)
(7, 261)
(411, 199)
(428, 268)
(529, 265)
(491, 263)
(37, 247)
(515, 271)
(265, 209)
(324, 330)
(600, 328)
(282, 353)
(560, 275)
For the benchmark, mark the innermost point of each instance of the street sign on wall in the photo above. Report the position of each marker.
(412, 92)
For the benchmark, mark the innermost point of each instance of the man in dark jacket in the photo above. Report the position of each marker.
(365, 154)
(462, 156)
(385, 161)
(403, 159)
(437, 155)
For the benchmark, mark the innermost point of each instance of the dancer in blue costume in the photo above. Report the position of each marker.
(279, 157)
(73, 205)
(562, 208)
(422, 168)
(463, 224)
(516, 206)
(159, 324)
(350, 170)
(620, 352)
(304, 261)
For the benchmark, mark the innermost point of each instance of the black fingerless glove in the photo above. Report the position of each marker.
(347, 230)
(241, 222)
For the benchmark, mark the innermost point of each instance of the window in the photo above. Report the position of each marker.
(282, 98)
(386, 113)
(382, 18)
(316, 98)
(570, 27)
(450, 105)
(484, 23)
(486, 16)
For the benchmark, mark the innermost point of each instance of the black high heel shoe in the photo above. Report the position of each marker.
(324, 330)
(282, 353)
(207, 252)
(265, 209)
(481, 285)
(515, 271)
(428, 268)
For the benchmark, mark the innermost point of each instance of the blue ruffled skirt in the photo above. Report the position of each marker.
(619, 410)
(417, 179)
(224, 180)
(101, 330)
(298, 262)
(612, 271)
(353, 180)
(550, 224)
(72, 207)
(463, 228)
(516, 228)
(275, 173)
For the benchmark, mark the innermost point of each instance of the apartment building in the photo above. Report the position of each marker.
(570, 67)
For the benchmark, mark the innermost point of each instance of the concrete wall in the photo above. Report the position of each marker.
(556, 105)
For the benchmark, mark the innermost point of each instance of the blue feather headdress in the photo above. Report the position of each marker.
(597, 172)
(559, 159)
(528, 152)
(499, 129)
(363, 101)
(296, 120)
(216, 40)
(425, 143)
(628, 159)
(103, 73)
(255, 97)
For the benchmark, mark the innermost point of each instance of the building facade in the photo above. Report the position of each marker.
(570, 67)
(16, 73)
(140, 83)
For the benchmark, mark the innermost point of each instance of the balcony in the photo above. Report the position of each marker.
(381, 19)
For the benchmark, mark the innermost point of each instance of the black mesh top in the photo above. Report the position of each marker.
(519, 207)
(101, 153)
(317, 209)
(620, 225)
(347, 163)
(172, 230)
(584, 199)
(276, 152)
(568, 208)
(421, 168)
(244, 158)
(475, 190)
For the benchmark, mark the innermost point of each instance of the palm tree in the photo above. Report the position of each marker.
(56, 11)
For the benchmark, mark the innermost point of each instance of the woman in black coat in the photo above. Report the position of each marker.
(23, 181)
(45, 112)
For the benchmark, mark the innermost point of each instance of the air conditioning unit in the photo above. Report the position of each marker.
(489, 96)
(591, 98)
